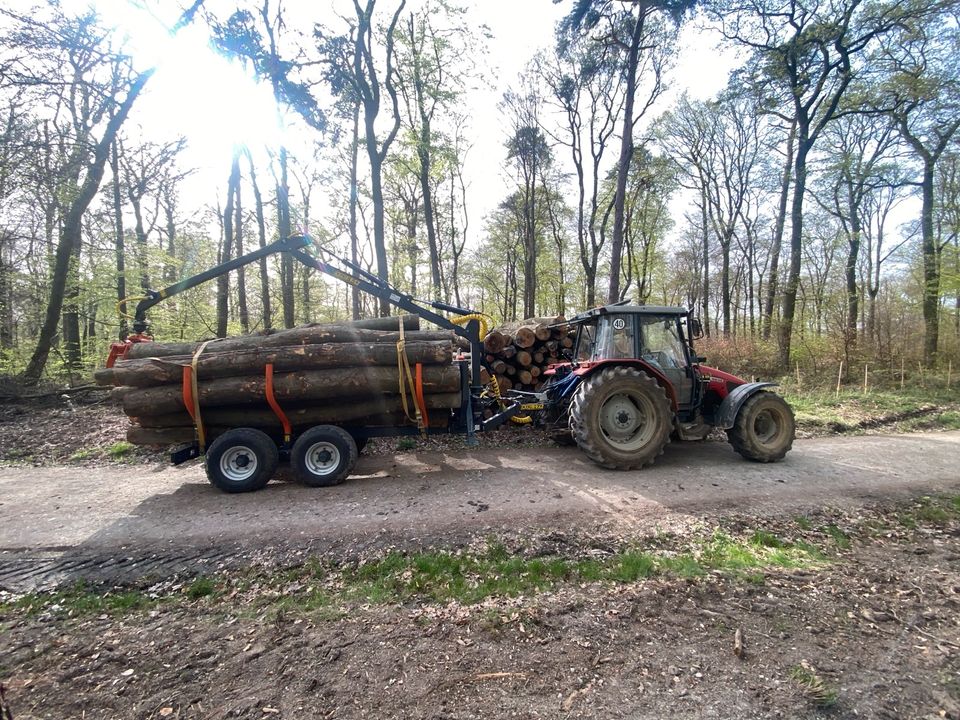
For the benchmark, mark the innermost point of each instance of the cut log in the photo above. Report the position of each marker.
(494, 342)
(410, 322)
(303, 335)
(288, 387)
(524, 358)
(524, 337)
(508, 352)
(499, 367)
(525, 377)
(335, 412)
(504, 382)
(148, 372)
(179, 435)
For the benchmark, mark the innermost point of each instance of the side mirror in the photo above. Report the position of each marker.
(696, 329)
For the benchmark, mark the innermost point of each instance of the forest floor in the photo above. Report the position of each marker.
(824, 586)
(835, 614)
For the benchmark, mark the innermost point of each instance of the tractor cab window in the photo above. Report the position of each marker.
(585, 343)
(614, 339)
(662, 344)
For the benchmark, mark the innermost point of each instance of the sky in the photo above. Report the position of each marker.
(194, 91)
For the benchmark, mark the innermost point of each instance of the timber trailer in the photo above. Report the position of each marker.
(632, 382)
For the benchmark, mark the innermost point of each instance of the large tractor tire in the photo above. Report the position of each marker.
(621, 418)
(764, 428)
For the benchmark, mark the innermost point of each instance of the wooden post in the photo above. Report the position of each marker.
(920, 369)
(866, 376)
(949, 371)
(902, 375)
(798, 374)
(839, 377)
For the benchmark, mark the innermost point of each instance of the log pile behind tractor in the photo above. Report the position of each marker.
(519, 353)
(314, 374)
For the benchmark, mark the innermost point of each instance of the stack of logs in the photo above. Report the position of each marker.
(330, 373)
(519, 352)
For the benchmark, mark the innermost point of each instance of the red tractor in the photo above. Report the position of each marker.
(634, 381)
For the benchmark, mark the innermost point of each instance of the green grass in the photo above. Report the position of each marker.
(822, 694)
(823, 409)
(200, 588)
(120, 449)
(327, 591)
(79, 600)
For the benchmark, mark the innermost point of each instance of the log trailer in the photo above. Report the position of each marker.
(632, 382)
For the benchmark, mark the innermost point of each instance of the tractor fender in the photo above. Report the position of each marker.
(726, 414)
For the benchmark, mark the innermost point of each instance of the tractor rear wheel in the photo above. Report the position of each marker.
(621, 418)
(764, 428)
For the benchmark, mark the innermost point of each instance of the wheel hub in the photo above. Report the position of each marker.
(620, 418)
(322, 458)
(238, 463)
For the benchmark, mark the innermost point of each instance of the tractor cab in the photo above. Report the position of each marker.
(659, 337)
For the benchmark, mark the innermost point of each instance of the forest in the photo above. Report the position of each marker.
(809, 212)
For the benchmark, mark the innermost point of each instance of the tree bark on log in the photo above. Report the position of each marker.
(288, 387)
(178, 435)
(148, 372)
(302, 335)
(333, 412)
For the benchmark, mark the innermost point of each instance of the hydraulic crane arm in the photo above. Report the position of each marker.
(156, 296)
(349, 273)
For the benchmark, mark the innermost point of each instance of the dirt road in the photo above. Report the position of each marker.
(68, 520)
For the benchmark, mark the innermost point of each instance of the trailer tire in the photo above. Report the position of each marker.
(241, 460)
(621, 418)
(324, 455)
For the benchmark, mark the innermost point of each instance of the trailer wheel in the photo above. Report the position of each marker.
(621, 418)
(764, 428)
(324, 455)
(241, 460)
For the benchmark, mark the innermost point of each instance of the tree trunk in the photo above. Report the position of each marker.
(931, 269)
(72, 228)
(354, 199)
(223, 280)
(796, 250)
(772, 284)
(262, 239)
(626, 155)
(379, 234)
(242, 310)
(283, 228)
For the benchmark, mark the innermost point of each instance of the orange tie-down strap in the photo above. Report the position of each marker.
(274, 405)
(425, 417)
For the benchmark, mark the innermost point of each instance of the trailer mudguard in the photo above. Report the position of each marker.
(726, 414)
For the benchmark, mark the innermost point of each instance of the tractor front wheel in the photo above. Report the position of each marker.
(764, 428)
(621, 418)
